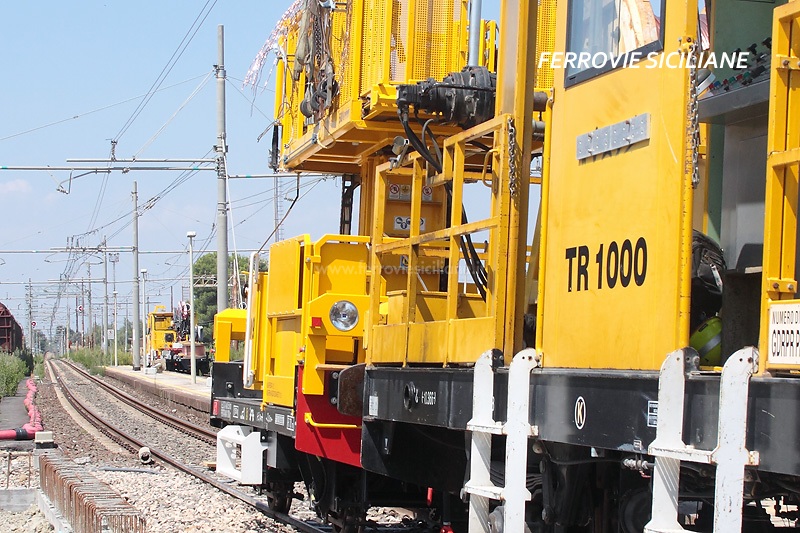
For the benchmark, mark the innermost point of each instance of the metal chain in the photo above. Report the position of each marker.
(513, 185)
(692, 114)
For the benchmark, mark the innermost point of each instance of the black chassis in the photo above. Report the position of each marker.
(415, 419)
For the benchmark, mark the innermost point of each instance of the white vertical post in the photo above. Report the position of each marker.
(135, 342)
(222, 177)
(116, 347)
(144, 314)
(474, 45)
(114, 258)
(193, 363)
(104, 336)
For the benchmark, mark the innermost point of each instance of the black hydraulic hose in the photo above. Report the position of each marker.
(426, 126)
(473, 262)
(416, 143)
(477, 264)
(465, 243)
(474, 253)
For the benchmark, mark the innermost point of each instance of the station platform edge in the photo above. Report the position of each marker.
(172, 387)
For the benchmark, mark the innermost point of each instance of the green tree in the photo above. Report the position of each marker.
(205, 298)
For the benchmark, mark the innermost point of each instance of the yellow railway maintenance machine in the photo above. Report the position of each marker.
(612, 370)
(609, 420)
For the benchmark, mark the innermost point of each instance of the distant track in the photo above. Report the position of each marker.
(204, 434)
(133, 444)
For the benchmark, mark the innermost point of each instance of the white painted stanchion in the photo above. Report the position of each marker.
(517, 429)
(730, 455)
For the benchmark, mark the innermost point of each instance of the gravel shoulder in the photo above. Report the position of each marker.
(170, 500)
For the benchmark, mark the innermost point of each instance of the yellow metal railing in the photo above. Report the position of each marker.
(783, 157)
(463, 324)
(374, 45)
(309, 419)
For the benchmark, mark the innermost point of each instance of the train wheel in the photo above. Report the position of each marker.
(279, 503)
(349, 521)
(497, 522)
(279, 497)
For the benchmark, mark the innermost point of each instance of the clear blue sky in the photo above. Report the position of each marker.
(93, 60)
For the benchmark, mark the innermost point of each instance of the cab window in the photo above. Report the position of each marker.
(603, 34)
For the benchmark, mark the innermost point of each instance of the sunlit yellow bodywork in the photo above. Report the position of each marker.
(290, 309)
(416, 313)
(636, 200)
(426, 326)
(779, 285)
(229, 325)
(456, 325)
(375, 45)
(160, 330)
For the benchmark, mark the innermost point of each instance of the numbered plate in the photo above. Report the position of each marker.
(783, 343)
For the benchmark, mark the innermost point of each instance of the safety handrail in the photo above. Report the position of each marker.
(309, 419)
(248, 376)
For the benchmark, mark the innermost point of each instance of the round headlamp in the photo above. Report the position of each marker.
(344, 315)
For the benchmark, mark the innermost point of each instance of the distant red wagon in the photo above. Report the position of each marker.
(10, 331)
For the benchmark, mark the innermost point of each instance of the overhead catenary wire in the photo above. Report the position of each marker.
(173, 60)
(297, 197)
(73, 262)
(267, 202)
(97, 110)
(101, 194)
(252, 102)
(175, 114)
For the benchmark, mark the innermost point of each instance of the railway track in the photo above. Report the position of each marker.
(201, 433)
(133, 443)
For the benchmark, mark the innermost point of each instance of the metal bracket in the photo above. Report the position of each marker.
(782, 285)
(783, 62)
(613, 137)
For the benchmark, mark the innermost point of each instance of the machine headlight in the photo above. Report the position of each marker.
(344, 315)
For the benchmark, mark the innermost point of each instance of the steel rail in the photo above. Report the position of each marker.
(97, 420)
(205, 434)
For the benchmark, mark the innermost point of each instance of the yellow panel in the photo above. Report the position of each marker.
(374, 32)
(434, 305)
(283, 288)
(281, 359)
(395, 306)
(392, 343)
(606, 210)
(471, 336)
(432, 316)
(780, 228)
(261, 330)
(340, 51)
(373, 44)
(434, 34)
(339, 349)
(545, 40)
(279, 390)
(426, 342)
(342, 269)
(228, 325)
(399, 48)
